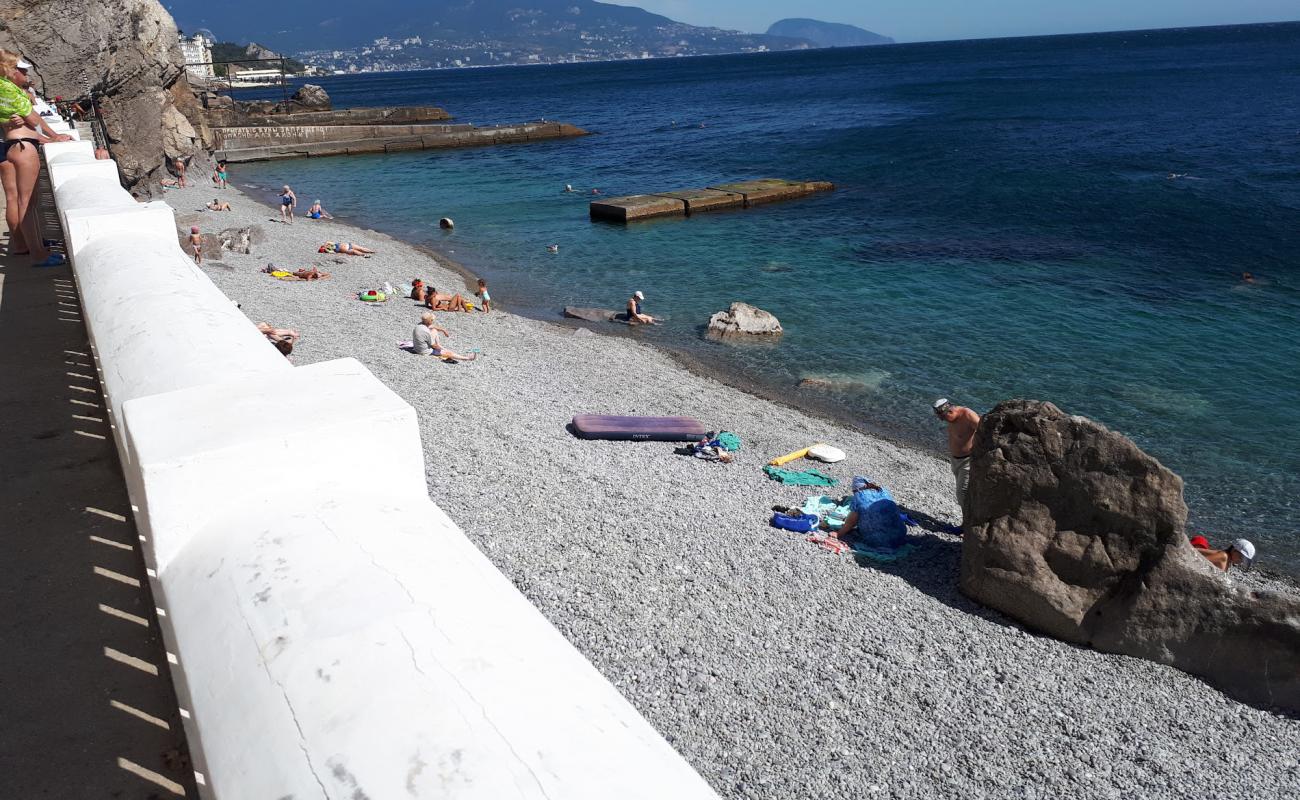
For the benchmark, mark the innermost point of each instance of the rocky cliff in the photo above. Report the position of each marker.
(125, 53)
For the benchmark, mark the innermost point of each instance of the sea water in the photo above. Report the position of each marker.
(1064, 218)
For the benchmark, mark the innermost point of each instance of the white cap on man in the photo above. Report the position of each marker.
(940, 403)
(1246, 549)
(24, 64)
(639, 296)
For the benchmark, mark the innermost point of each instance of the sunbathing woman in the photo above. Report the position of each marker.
(443, 302)
(283, 338)
(346, 248)
(417, 290)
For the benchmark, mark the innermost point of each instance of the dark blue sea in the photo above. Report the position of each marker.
(1065, 218)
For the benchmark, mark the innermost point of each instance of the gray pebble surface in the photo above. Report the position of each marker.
(777, 669)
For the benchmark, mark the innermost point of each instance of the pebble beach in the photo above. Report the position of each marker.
(776, 668)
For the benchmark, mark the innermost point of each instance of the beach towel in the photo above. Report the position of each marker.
(289, 276)
(827, 509)
(884, 555)
(790, 477)
(729, 441)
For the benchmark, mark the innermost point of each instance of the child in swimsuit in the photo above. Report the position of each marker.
(196, 244)
(482, 294)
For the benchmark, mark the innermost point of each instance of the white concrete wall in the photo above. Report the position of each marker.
(332, 633)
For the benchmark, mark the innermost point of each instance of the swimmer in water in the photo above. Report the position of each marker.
(568, 187)
(552, 248)
(1246, 277)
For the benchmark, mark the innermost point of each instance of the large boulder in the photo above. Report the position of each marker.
(310, 97)
(126, 51)
(743, 320)
(1076, 532)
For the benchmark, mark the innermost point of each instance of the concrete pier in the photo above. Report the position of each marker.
(256, 143)
(684, 202)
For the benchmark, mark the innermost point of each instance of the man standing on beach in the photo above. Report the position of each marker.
(962, 424)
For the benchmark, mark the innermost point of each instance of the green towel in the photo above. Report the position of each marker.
(809, 477)
(886, 556)
(729, 441)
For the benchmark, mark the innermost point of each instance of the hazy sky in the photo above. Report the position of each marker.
(916, 20)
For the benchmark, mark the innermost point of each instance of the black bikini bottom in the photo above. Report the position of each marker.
(8, 143)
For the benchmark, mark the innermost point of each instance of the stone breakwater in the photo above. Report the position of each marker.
(259, 143)
(776, 669)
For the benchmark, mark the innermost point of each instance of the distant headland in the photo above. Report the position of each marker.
(826, 34)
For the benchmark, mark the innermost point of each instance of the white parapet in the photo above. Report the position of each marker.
(98, 191)
(157, 324)
(62, 172)
(332, 632)
(56, 151)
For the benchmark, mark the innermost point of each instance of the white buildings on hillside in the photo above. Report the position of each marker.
(197, 51)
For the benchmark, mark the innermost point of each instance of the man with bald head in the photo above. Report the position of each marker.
(962, 424)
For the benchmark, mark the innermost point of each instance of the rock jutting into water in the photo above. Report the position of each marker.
(1075, 531)
(743, 320)
(311, 97)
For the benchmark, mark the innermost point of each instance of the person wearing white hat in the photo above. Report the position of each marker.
(1238, 553)
(962, 424)
(634, 312)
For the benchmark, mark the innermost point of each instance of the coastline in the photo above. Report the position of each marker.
(777, 669)
(805, 402)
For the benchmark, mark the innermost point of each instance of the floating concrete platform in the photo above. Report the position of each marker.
(685, 202)
(265, 144)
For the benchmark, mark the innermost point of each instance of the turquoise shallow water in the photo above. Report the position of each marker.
(1005, 226)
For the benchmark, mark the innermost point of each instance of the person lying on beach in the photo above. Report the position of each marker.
(634, 312)
(1237, 553)
(346, 248)
(424, 340)
(283, 338)
(316, 212)
(218, 205)
(312, 274)
(443, 302)
(485, 299)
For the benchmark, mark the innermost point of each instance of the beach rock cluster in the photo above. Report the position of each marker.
(1074, 531)
(126, 51)
(743, 320)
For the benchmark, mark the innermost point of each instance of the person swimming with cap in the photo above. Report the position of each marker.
(1242, 551)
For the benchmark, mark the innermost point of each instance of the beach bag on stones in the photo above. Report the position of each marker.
(799, 523)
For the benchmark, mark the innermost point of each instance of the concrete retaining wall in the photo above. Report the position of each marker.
(331, 632)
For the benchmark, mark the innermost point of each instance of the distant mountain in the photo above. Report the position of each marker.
(826, 34)
(409, 34)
